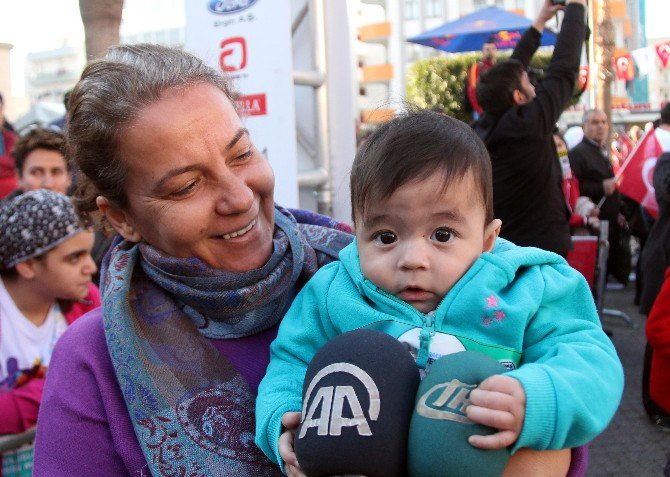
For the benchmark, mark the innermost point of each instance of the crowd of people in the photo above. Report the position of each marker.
(214, 300)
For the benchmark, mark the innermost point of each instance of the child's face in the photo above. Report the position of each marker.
(420, 241)
(65, 271)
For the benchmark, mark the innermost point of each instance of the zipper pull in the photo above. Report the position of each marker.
(425, 338)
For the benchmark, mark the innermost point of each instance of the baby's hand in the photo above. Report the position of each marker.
(498, 402)
(290, 422)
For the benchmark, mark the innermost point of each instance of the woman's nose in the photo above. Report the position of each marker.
(233, 195)
(414, 255)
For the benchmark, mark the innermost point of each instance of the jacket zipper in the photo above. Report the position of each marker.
(427, 328)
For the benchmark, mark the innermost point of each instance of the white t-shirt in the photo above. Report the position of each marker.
(663, 137)
(22, 344)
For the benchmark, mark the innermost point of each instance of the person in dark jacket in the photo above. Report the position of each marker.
(517, 128)
(590, 162)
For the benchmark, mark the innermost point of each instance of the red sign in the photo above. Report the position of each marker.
(233, 55)
(252, 105)
(623, 65)
(636, 175)
(663, 52)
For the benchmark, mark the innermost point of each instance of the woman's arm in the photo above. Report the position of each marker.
(83, 427)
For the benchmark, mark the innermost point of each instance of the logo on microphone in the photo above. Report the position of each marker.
(446, 401)
(331, 399)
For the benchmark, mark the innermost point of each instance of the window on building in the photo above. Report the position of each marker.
(433, 8)
(478, 4)
(411, 9)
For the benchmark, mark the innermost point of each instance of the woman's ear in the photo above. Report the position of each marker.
(118, 219)
(518, 97)
(491, 233)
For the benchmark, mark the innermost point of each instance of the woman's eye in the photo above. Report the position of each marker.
(186, 189)
(244, 155)
(442, 235)
(385, 238)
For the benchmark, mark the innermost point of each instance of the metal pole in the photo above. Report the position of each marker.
(324, 191)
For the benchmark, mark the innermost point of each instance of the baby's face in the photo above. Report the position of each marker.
(420, 241)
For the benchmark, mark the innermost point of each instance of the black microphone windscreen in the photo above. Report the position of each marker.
(358, 398)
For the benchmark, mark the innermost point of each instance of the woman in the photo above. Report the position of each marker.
(162, 380)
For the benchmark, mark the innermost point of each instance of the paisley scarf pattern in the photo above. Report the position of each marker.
(192, 412)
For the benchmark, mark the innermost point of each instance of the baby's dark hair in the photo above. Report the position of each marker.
(413, 146)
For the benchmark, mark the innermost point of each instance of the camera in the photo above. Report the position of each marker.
(558, 2)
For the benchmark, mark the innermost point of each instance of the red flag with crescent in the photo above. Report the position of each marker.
(663, 52)
(636, 176)
(583, 77)
(625, 146)
(623, 64)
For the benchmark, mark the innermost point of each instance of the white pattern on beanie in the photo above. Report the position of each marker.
(33, 223)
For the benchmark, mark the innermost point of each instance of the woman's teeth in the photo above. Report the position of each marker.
(239, 232)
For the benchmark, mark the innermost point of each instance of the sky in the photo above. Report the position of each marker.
(43, 25)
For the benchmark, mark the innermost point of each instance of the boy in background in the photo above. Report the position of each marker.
(45, 284)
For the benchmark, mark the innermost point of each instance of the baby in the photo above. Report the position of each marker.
(427, 267)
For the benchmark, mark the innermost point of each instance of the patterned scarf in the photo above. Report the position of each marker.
(192, 412)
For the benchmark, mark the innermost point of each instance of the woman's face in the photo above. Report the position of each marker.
(197, 187)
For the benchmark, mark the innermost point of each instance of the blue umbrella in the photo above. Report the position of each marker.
(470, 32)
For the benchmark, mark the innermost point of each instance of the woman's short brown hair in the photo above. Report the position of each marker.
(413, 146)
(108, 98)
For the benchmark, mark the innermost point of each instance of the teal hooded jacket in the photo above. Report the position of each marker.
(523, 306)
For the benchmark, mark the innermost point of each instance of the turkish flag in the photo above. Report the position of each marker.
(620, 151)
(623, 65)
(625, 146)
(583, 76)
(663, 52)
(635, 177)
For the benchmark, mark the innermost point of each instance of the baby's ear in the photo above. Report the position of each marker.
(491, 233)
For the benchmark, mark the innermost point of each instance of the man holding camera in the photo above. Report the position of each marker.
(517, 128)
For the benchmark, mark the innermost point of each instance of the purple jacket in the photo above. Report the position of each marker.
(83, 425)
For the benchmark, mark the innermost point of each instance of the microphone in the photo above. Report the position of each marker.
(438, 434)
(358, 398)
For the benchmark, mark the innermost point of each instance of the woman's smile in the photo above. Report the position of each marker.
(238, 233)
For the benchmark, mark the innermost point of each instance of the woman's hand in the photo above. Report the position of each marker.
(498, 402)
(290, 421)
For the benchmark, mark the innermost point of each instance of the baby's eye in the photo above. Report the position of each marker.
(442, 235)
(385, 238)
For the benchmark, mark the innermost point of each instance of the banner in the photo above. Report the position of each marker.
(663, 52)
(250, 42)
(623, 65)
(643, 58)
(636, 176)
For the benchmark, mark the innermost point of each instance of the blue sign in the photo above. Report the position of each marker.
(227, 7)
